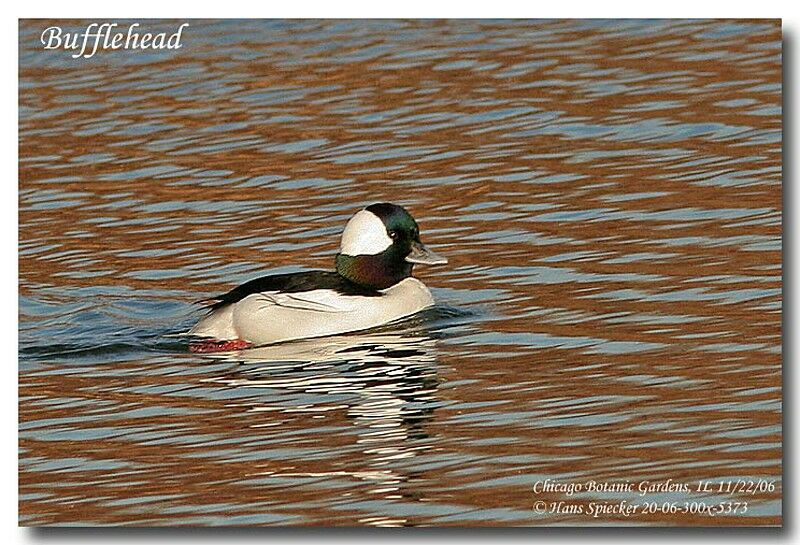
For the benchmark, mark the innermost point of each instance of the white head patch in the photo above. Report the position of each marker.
(364, 234)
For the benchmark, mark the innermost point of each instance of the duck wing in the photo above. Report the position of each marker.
(316, 300)
(309, 290)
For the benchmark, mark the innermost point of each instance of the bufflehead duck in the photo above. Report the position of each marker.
(372, 286)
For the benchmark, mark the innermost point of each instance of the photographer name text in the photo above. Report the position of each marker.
(711, 498)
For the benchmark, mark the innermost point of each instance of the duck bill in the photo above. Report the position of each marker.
(421, 254)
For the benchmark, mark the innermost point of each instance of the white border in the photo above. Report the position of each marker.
(786, 10)
(411, 8)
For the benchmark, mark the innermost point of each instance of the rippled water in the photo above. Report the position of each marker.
(609, 197)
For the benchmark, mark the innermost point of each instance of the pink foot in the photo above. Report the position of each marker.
(205, 347)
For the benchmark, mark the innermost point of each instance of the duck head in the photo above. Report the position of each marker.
(380, 246)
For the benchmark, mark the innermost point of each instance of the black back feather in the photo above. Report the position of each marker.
(293, 283)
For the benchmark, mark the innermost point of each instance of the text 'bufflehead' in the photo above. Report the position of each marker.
(372, 285)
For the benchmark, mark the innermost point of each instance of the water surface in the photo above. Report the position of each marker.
(609, 197)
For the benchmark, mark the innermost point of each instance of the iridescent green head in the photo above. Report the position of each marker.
(380, 246)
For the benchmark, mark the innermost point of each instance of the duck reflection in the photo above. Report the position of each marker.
(385, 382)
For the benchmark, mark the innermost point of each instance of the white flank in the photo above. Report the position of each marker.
(365, 234)
(217, 324)
(270, 317)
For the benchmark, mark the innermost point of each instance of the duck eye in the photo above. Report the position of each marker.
(393, 234)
